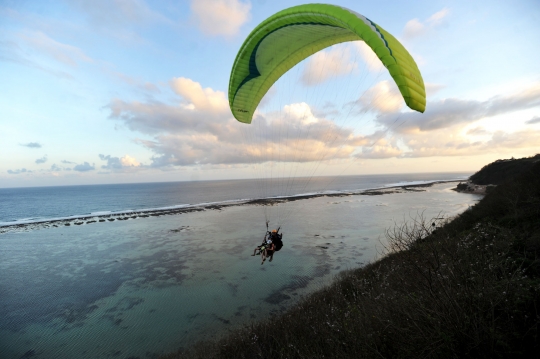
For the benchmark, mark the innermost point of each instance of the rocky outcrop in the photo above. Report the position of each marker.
(470, 187)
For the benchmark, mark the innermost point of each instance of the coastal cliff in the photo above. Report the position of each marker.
(496, 173)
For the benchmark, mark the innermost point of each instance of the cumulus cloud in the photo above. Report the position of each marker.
(384, 97)
(301, 112)
(379, 152)
(369, 57)
(41, 160)
(310, 139)
(415, 27)
(328, 64)
(533, 120)
(199, 111)
(445, 128)
(128, 161)
(449, 112)
(118, 163)
(200, 130)
(31, 145)
(340, 60)
(84, 167)
(379, 147)
(220, 17)
(198, 98)
(451, 143)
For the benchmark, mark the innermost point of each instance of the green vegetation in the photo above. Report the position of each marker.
(502, 170)
(466, 288)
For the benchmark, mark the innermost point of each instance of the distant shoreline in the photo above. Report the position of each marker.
(145, 213)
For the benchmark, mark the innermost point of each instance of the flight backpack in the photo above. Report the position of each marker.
(278, 243)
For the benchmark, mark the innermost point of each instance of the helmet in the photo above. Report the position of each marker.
(274, 231)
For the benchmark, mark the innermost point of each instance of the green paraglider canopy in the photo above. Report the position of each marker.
(291, 35)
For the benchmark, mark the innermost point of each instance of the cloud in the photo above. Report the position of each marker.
(436, 19)
(310, 139)
(41, 160)
(451, 143)
(220, 17)
(340, 60)
(85, 167)
(519, 139)
(117, 17)
(200, 130)
(442, 129)
(533, 120)
(31, 145)
(130, 80)
(449, 112)
(119, 163)
(56, 168)
(414, 28)
(128, 161)
(324, 65)
(384, 97)
(198, 98)
(432, 89)
(16, 172)
(379, 152)
(379, 147)
(301, 112)
(66, 54)
(11, 52)
(369, 57)
(477, 131)
(201, 110)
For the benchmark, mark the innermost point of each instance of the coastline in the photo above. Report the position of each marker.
(78, 220)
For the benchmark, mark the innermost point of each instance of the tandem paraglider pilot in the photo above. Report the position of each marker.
(272, 242)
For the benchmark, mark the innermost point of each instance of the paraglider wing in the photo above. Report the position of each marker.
(291, 35)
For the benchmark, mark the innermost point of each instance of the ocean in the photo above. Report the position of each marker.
(34, 204)
(139, 270)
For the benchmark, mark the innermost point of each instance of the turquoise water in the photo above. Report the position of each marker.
(143, 287)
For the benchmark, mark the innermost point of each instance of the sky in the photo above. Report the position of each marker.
(124, 91)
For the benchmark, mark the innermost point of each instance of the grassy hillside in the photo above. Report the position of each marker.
(502, 170)
(469, 288)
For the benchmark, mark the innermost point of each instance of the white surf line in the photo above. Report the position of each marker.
(104, 216)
